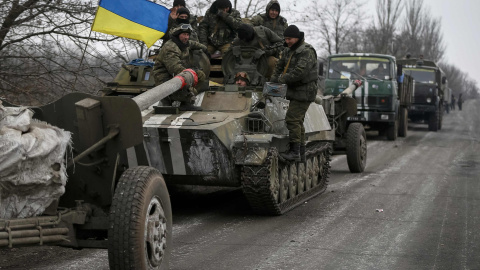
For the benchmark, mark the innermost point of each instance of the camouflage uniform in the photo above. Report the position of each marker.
(301, 79)
(277, 25)
(263, 38)
(217, 32)
(173, 59)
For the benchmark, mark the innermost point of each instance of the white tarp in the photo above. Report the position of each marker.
(32, 163)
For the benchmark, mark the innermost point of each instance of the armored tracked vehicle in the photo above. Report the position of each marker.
(235, 141)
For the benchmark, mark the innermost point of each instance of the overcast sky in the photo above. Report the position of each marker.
(461, 32)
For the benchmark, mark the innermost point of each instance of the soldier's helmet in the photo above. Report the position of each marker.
(242, 76)
(183, 28)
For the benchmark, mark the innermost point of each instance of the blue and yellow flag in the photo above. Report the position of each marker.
(135, 19)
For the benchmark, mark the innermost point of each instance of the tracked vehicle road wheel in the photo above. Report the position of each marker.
(293, 180)
(283, 183)
(140, 230)
(403, 122)
(309, 175)
(433, 121)
(302, 177)
(266, 197)
(356, 148)
(316, 171)
(274, 180)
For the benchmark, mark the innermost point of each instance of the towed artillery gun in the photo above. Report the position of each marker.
(349, 138)
(113, 199)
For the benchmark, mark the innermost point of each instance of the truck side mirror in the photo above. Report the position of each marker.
(320, 69)
(444, 80)
(399, 70)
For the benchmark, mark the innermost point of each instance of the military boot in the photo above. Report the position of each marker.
(293, 154)
(302, 153)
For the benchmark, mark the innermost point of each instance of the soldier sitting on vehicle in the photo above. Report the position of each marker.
(182, 17)
(262, 38)
(242, 79)
(173, 59)
(336, 70)
(380, 71)
(272, 19)
(219, 27)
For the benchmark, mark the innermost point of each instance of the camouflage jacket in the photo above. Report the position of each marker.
(264, 39)
(277, 25)
(302, 72)
(218, 31)
(172, 60)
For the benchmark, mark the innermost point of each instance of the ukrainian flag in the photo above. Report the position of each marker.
(135, 19)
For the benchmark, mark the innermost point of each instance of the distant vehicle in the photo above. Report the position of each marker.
(429, 95)
(383, 99)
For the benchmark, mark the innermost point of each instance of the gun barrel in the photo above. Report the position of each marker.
(186, 78)
(349, 90)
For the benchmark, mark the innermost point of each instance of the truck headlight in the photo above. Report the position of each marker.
(429, 100)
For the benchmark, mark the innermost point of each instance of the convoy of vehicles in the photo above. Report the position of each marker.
(128, 146)
(383, 99)
(429, 95)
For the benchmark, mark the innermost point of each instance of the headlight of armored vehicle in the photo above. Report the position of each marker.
(429, 100)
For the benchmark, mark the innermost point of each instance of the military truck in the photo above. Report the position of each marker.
(382, 100)
(429, 94)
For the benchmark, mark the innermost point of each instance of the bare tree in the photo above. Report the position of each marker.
(334, 22)
(385, 26)
(433, 47)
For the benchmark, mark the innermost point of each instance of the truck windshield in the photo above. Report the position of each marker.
(368, 67)
(421, 75)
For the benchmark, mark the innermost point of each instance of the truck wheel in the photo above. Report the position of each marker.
(433, 121)
(392, 131)
(356, 148)
(403, 123)
(140, 232)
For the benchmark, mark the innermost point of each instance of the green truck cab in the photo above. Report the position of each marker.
(383, 98)
(429, 95)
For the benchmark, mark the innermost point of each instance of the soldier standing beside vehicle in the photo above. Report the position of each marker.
(460, 102)
(452, 105)
(262, 38)
(298, 69)
(219, 27)
(272, 19)
(173, 59)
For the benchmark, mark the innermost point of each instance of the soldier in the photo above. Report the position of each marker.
(298, 69)
(219, 26)
(173, 59)
(272, 19)
(172, 17)
(183, 17)
(460, 102)
(262, 38)
(452, 105)
(242, 78)
(380, 71)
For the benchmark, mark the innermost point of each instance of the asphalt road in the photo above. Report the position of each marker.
(426, 188)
